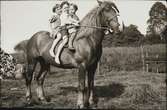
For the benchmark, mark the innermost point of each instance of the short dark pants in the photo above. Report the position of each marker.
(63, 31)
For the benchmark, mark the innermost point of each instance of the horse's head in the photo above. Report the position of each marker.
(110, 15)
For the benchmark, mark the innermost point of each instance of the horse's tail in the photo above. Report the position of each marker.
(21, 46)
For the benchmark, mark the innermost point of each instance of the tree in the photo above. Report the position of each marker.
(158, 19)
(132, 36)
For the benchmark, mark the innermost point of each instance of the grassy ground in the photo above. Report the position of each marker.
(120, 84)
(116, 90)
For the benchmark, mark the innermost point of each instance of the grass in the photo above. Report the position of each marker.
(120, 84)
(133, 90)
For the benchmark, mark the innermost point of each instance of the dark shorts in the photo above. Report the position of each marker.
(63, 31)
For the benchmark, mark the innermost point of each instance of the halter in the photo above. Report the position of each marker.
(110, 19)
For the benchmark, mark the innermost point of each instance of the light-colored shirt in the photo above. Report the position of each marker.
(55, 23)
(67, 19)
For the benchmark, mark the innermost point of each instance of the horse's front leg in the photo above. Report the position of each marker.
(81, 87)
(91, 95)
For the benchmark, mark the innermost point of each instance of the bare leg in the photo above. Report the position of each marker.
(81, 87)
(91, 95)
(54, 44)
(65, 40)
(71, 39)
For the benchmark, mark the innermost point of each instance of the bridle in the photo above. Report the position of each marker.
(101, 27)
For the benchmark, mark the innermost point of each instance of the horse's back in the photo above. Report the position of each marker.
(36, 43)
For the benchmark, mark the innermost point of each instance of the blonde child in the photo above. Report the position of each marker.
(55, 25)
(65, 20)
(55, 20)
(72, 14)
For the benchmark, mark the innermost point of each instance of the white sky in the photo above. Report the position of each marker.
(21, 19)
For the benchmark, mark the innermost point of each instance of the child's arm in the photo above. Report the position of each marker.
(53, 19)
(73, 21)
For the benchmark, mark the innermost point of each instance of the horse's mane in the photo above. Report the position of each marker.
(91, 19)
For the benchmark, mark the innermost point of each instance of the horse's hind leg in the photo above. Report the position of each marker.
(28, 78)
(40, 80)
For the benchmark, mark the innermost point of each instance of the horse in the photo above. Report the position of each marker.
(88, 51)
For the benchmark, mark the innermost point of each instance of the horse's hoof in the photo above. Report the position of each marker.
(28, 99)
(80, 106)
(29, 102)
(93, 102)
(43, 101)
(93, 106)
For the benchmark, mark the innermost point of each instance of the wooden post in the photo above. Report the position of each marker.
(157, 63)
(146, 62)
(142, 56)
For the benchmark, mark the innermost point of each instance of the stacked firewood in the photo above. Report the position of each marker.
(7, 65)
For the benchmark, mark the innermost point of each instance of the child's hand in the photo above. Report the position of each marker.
(76, 24)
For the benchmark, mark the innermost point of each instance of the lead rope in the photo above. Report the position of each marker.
(97, 27)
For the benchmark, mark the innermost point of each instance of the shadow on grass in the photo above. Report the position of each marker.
(112, 90)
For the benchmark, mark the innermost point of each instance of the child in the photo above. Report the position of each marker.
(65, 19)
(55, 25)
(72, 14)
(55, 20)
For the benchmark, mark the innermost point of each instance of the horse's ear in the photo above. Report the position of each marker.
(99, 2)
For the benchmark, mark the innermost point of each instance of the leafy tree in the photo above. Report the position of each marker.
(158, 19)
(132, 36)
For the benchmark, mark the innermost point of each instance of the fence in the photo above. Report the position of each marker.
(151, 59)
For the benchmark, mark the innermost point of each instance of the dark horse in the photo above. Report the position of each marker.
(88, 50)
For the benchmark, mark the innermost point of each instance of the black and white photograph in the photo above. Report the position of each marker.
(83, 54)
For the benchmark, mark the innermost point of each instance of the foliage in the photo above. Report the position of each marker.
(153, 39)
(131, 36)
(158, 18)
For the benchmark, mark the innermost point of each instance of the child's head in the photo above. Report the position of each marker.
(56, 9)
(73, 8)
(64, 6)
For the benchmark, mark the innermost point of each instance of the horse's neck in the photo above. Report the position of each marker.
(89, 31)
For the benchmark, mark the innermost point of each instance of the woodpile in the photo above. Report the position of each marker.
(7, 65)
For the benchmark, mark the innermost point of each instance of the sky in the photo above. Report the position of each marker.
(21, 19)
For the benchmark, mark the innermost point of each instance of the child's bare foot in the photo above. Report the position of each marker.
(71, 48)
(51, 52)
(57, 60)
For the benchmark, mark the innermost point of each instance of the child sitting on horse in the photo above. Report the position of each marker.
(63, 30)
(55, 21)
(72, 31)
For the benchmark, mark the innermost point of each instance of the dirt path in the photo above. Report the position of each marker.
(114, 90)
